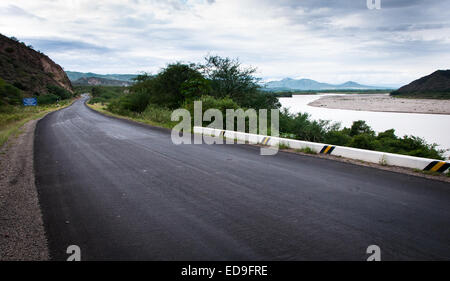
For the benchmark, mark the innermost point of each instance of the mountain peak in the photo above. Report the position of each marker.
(437, 85)
(304, 84)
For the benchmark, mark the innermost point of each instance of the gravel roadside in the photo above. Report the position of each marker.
(22, 234)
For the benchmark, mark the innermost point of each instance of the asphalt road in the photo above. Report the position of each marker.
(122, 191)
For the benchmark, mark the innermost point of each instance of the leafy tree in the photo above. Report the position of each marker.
(58, 91)
(142, 77)
(360, 127)
(229, 78)
(194, 88)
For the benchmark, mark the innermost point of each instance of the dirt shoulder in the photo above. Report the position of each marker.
(22, 234)
(383, 103)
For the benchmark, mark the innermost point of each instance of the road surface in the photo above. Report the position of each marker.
(123, 191)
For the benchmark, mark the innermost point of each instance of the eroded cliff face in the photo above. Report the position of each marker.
(29, 70)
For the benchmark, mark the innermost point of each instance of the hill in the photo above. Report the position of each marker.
(28, 70)
(435, 85)
(289, 84)
(96, 81)
(73, 76)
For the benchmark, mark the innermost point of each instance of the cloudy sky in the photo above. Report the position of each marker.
(329, 41)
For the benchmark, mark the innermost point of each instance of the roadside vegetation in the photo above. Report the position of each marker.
(101, 94)
(14, 117)
(223, 83)
(13, 114)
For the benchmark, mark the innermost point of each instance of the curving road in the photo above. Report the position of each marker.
(123, 191)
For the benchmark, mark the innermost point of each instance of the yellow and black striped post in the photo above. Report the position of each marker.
(437, 166)
(265, 140)
(327, 149)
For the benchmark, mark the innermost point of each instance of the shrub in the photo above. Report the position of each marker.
(337, 138)
(306, 150)
(363, 141)
(157, 114)
(47, 99)
(209, 102)
(58, 91)
(360, 127)
(9, 95)
(103, 94)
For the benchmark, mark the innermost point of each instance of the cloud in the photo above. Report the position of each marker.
(18, 12)
(61, 45)
(331, 41)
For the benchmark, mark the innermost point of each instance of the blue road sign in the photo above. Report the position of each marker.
(30, 101)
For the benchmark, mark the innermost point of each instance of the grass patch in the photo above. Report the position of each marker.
(283, 145)
(157, 117)
(306, 150)
(383, 161)
(12, 118)
(431, 173)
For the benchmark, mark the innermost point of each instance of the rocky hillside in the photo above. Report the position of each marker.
(29, 70)
(435, 85)
(95, 81)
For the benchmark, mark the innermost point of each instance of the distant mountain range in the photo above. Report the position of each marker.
(435, 85)
(289, 84)
(73, 76)
(95, 81)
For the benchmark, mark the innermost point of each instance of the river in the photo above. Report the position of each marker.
(434, 128)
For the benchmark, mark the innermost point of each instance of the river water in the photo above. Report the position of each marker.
(434, 128)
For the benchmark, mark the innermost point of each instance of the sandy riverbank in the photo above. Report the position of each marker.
(383, 102)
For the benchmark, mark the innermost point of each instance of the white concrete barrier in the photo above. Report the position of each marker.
(383, 158)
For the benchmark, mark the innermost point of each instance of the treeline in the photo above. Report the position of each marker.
(223, 83)
(102, 94)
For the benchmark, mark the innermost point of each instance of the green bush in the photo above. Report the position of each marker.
(9, 95)
(58, 91)
(363, 141)
(47, 99)
(360, 127)
(359, 135)
(209, 102)
(103, 94)
(303, 127)
(157, 114)
(135, 102)
(337, 138)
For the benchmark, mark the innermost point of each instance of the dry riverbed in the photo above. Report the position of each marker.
(383, 102)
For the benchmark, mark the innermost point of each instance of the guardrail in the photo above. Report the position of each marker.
(378, 157)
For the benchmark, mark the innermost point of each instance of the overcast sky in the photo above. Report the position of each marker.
(329, 41)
